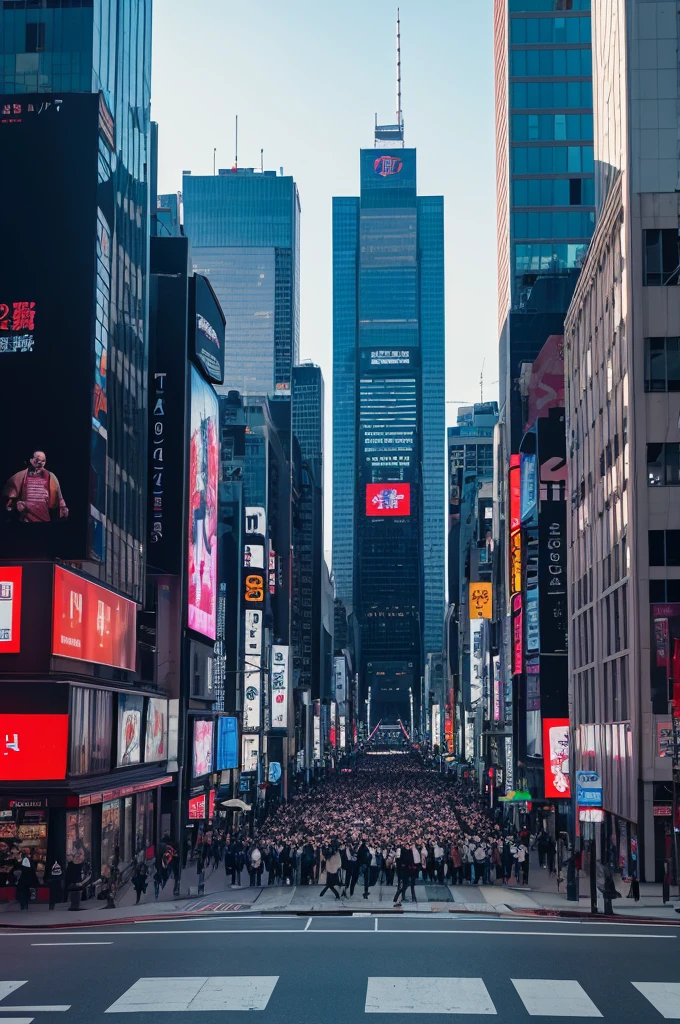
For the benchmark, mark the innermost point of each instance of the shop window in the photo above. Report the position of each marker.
(79, 838)
(110, 833)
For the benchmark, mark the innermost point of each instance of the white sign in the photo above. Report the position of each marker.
(252, 693)
(343, 726)
(250, 753)
(436, 724)
(256, 520)
(253, 556)
(340, 672)
(317, 733)
(253, 638)
(509, 766)
(476, 661)
(280, 695)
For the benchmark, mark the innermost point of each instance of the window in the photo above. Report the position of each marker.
(663, 464)
(35, 37)
(662, 591)
(662, 364)
(664, 547)
(662, 256)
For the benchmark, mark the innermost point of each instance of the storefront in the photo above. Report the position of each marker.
(23, 832)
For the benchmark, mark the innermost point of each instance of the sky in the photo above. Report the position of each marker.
(306, 78)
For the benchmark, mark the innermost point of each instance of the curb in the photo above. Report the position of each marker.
(584, 916)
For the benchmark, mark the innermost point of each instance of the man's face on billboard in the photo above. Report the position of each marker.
(38, 461)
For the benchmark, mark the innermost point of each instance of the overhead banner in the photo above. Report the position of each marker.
(556, 758)
(280, 694)
(481, 601)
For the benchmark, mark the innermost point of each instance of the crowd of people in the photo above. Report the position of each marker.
(389, 821)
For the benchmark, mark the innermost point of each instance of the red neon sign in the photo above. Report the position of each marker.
(33, 747)
(388, 499)
(90, 623)
(196, 807)
(10, 609)
(556, 757)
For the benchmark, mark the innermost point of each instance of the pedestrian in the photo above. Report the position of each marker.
(139, 880)
(362, 868)
(27, 880)
(255, 866)
(333, 866)
(56, 884)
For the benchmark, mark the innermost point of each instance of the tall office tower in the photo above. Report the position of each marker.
(622, 370)
(244, 229)
(74, 294)
(545, 218)
(308, 557)
(388, 412)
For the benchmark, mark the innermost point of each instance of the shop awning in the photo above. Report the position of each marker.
(517, 796)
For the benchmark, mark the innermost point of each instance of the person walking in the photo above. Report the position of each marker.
(362, 867)
(404, 862)
(139, 880)
(27, 880)
(255, 866)
(456, 864)
(333, 866)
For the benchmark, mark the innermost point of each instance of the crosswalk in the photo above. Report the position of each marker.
(384, 995)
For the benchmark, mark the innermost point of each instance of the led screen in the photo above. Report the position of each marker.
(130, 709)
(203, 747)
(227, 744)
(203, 481)
(556, 757)
(10, 609)
(91, 623)
(388, 499)
(33, 747)
(156, 737)
(208, 333)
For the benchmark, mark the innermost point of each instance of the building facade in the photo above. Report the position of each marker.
(388, 344)
(244, 228)
(622, 404)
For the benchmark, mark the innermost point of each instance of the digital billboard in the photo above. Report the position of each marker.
(280, 692)
(556, 757)
(203, 484)
(227, 744)
(388, 499)
(203, 747)
(91, 623)
(53, 371)
(10, 609)
(130, 708)
(206, 328)
(156, 735)
(481, 600)
(197, 807)
(33, 747)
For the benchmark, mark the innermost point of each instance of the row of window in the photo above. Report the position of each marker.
(552, 159)
(662, 364)
(553, 192)
(553, 225)
(551, 127)
(664, 547)
(663, 464)
(549, 30)
(542, 95)
(540, 257)
(551, 63)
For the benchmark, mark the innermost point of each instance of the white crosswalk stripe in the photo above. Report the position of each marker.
(170, 995)
(555, 998)
(663, 995)
(428, 995)
(18, 1020)
(6, 987)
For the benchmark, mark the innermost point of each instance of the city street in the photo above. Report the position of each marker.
(333, 971)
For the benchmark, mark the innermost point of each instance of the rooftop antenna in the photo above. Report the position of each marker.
(400, 119)
(262, 161)
(214, 159)
(481, 382)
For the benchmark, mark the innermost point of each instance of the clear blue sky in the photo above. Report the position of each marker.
(305, 78)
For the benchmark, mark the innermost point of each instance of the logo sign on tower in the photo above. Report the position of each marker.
(387, 165)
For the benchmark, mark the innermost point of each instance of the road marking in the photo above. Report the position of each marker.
(355, 931)
(555, 998)
(308, 925)
(72, 943)
(428, 995)
(6, 987)
(32, 1009)
(376, 925)
(18, 1020)
(663, 995)
(170, 995)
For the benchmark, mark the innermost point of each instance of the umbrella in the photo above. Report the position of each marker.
(238, 805)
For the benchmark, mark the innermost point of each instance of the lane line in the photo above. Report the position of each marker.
(543, 998)
(72, 943)
(33, 1009)
(309, 921)
(18, 1020)
(376, 925)
(364, 931)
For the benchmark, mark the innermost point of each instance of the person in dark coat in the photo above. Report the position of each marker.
(362, 866)
(139, 880)
(27, 880)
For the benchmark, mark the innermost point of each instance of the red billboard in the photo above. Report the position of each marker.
(91, 623)
(33, 747)
(556, 758)
(197, 807)
(10, 609)
(388, 499)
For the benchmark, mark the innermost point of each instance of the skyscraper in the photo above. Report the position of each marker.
(388, 428)
(244, 229)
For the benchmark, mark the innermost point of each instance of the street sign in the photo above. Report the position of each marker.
(588, 789)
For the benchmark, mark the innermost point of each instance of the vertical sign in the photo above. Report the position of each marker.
(280, 687)
(10, 609)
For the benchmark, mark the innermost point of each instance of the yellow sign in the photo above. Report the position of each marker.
(481, 601)
(516, 562)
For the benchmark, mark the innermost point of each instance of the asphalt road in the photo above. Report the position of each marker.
(327, 970)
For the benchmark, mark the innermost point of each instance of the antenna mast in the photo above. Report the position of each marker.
(393, 133)
(236, 146)
(400, 120)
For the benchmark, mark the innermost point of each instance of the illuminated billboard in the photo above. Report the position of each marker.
(280, 691)
(227, 744)
(10, 609)
(388, 499)
(481, 600)
(130, 708)
(206, 328)
(156, 736)
(33, 747)
(203, 483)
(203, 747)
(91, 623)
(556, 757)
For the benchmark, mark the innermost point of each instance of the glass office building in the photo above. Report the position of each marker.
(388, 420)
(244, 229)
(52, 54)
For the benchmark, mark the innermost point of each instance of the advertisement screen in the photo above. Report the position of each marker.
(481, 600)
(209, 325)
(33, 747)
(156, 738)
(556, 757)
(10, 609)
(197, 807)
(130, 710)
(91, 623)
(203, 482)
(250, 753)
(280, 687)
(54, 392)
(227, 744)
(203, 747)
(388, 499)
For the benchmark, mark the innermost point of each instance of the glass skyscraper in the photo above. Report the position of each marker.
(244, 229)
(53, 53)
(388, 420)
